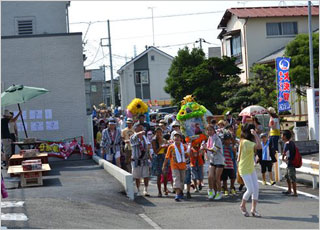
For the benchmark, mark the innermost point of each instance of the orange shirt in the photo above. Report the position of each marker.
(194, 157)
(172, 156)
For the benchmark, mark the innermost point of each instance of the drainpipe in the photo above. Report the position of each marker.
(245, 49)
(67, 15)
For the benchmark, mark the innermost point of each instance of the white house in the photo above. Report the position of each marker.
(38, 50)
(151, 68)
(252, 33)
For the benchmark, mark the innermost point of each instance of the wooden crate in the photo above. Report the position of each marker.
(31, 179)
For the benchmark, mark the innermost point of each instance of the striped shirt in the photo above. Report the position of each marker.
(227, 158)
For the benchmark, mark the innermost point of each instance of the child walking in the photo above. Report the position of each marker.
(214, 154)
(177, 153)
(197, 167)
(228, 170)
(267, 158)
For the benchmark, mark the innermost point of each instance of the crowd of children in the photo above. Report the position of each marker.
(231, 151)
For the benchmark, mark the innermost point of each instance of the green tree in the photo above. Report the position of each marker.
(298, 51)
(261, 90)
(211, 80)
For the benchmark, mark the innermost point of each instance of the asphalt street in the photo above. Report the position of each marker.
(76, 194)
(79, 194)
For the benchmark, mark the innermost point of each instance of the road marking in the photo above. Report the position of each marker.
(149, 221)
(14, 216)
(302, 193)
(12, 204)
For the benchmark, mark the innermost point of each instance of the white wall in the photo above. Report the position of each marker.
(259, 45)
(50, 17)
(158, 72)
(54, 63)
(237, 24)
(256, 41)
(127, 86)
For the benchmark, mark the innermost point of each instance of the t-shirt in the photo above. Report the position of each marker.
(290, 151)
(228, 163)
(5, 134)
(275, 127)
(173, 161)
(246, 164)
(99, 137)
(194, 159)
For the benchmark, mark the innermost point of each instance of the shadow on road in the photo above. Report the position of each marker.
(313, 219)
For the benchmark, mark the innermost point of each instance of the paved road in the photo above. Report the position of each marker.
(79, 194)
(76, 194)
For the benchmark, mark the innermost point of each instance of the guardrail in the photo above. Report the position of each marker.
(309, 167)
(125, 178)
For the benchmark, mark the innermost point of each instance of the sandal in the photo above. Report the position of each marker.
(286, 193)
(255, 214)
(244, 212)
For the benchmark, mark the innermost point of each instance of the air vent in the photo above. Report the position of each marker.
(25, 27)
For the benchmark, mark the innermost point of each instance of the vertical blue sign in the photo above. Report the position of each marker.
(283, 65)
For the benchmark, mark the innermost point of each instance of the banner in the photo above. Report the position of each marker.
(282, 65)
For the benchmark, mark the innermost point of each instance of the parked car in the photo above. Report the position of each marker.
(173, 109)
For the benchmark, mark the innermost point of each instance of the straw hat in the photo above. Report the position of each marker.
(271, 110)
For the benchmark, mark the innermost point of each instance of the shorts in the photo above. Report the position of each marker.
(228, 173)
(7, 147)
(157, 164)
(217, 166)
(197, 172)
(178, 178)
(266, 165)
(291, 174)
(140, 171)
(187, 179)
(110, 156)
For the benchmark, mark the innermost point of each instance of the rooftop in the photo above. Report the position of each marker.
(267, 12)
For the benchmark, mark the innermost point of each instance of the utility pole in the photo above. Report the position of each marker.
(200, 41)
(151, 8)
(113, 101)
(310, 46)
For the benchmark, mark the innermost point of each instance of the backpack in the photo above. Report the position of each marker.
(297, 160)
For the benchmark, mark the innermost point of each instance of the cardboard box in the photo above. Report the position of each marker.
(29, 153)
(29, 165)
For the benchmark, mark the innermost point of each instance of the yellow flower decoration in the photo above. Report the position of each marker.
(186, 99)
(137, 106)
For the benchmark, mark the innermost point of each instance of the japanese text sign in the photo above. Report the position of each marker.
(283, 80)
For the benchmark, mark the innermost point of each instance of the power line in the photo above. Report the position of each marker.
(144, 18)
(166, 46)
(175, 33)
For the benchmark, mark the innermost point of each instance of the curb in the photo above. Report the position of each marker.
(125, 178)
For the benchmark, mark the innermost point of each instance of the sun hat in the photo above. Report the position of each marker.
(129, 120)
(175, 123)
(221, 122)
(271, 110)
(176, 133)
(112, 121)
(228, 113)
(263, 135)
(163, 122)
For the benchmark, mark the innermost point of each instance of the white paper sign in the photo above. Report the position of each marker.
(20, 126)
(48, 113)
(24, 114)
(52, 125)
(37, 126)
(35, 114)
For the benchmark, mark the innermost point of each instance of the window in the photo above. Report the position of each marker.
(93, 88)
(141, 75)
(233, 48)
(282, 28)
(152, 57)
(25, 25)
